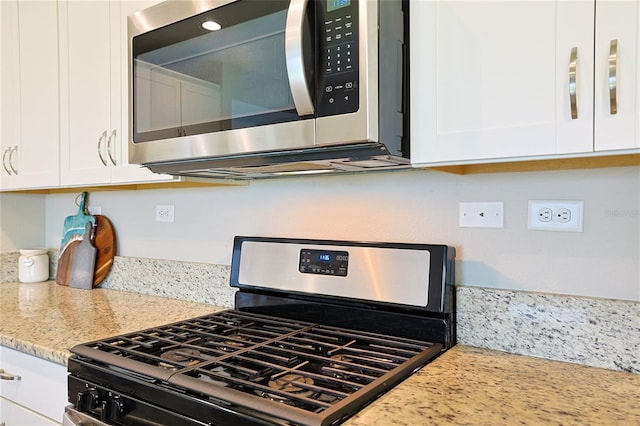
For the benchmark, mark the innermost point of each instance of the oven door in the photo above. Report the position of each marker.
(215, 78)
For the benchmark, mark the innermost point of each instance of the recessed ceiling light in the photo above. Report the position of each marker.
(211, 25)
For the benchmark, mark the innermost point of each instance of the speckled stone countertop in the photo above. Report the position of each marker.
(473, 386)
(46, 319)
(464, 386)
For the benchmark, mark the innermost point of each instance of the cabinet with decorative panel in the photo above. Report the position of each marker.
(94, 94)
(29, 113)
(33, 391)
(499, 81)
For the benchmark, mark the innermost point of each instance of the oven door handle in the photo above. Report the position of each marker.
(73, 417)
(294, 53)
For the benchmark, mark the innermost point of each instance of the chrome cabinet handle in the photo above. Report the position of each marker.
(4, 161)
(11, 152)
(112, 136)
(573, 63)
(613, 80)
(100, 139)
(295, 58)
(6, 376)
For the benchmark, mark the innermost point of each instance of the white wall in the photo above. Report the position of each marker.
(415, 206)
(22, 221)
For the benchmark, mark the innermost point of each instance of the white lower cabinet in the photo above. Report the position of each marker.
(12, 414)
(38, 397)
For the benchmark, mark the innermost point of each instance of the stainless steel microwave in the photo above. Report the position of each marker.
(260, 88)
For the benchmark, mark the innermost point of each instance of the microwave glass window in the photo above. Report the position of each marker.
(197, 80)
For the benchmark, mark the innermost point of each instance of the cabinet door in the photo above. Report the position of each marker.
(85, 64)
(123, 172)
(490, 79)
(16, 415)
(30, 134)
(617, 78)
(10, 99)
(42, 387)
(95, 95)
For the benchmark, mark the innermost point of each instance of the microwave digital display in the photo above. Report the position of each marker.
(337, 4)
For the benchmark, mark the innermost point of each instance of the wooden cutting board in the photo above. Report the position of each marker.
(105, 243)
(63, 272)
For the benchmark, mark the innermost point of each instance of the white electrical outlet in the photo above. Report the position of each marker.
(556, 215)
(482, 215)
(164, 213)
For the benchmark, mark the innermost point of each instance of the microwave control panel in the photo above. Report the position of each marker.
(338, 43)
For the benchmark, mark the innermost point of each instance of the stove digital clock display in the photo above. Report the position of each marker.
(324, 262)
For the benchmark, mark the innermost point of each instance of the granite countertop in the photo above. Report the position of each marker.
(473, 386)
(464, 386)
(46, 319)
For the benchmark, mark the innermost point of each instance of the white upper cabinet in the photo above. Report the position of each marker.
(617, 75)
(30, 112)
(85, 92)
(129, 172)
(94, 94)
(495, 80)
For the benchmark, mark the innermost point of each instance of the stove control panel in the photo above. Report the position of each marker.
(324, 262)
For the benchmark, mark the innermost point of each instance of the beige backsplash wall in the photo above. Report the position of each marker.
(419, 206)
(21, 221)
(415, 206)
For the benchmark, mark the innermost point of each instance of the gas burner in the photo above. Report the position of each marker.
(185, 357)
(341, 371)
(235, 341)
(289, 384)
(340, 357)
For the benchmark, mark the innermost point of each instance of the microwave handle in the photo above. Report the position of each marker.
(295, 58)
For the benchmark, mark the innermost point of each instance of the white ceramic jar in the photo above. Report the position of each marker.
(33, 265)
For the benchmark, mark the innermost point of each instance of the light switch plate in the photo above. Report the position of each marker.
(482, 215)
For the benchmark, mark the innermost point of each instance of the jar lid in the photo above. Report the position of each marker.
(32, 252)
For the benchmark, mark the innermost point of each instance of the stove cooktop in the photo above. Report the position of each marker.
(296, 371)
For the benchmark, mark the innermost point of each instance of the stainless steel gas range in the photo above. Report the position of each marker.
(319, 330)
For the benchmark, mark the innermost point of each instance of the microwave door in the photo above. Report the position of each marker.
(201, 93)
